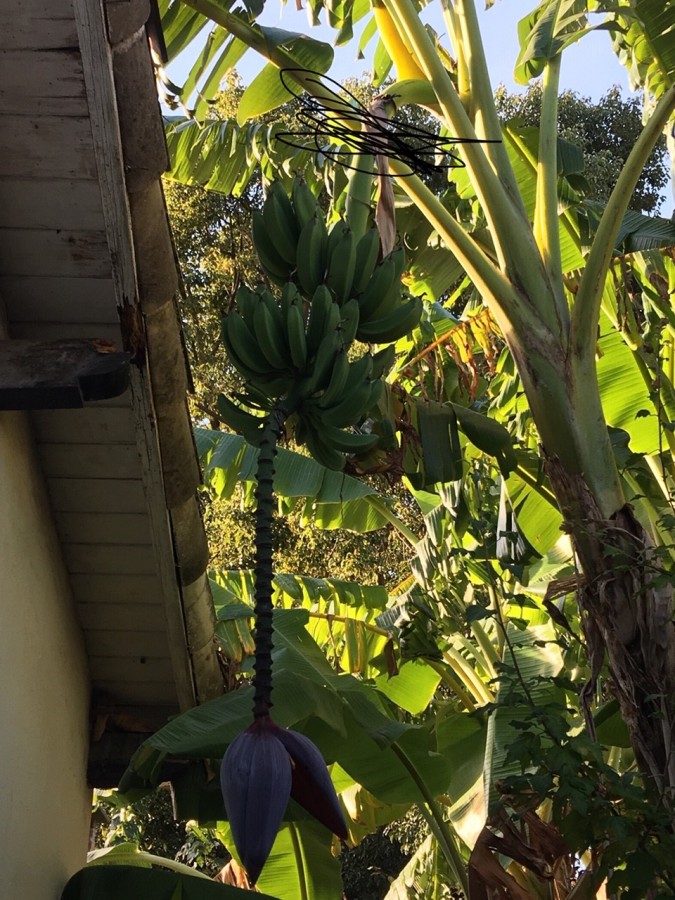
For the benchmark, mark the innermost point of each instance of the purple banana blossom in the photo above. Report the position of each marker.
(263, 767)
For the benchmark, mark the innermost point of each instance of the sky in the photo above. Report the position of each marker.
(589, 67)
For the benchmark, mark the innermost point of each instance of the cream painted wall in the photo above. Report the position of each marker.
(44, 691)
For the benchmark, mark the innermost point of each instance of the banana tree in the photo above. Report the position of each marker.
(547, 306)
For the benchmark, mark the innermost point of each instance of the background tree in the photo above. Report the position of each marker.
(605, 131)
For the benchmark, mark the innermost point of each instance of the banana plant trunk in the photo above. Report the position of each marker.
(624, 595)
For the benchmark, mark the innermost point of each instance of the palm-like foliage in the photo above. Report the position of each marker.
(582, 337)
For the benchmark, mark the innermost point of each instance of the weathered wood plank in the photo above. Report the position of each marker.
(103, 528)
(59, 374)
(69, 203)
(41, 24)
(131, 668)
(36, 82)
(121, 616)
(148, 644)
(115, 589)
(91, 425)
(52, 331)
(46, 147)
(35, 251)
(140, 693)
(104, 559)
(38, 299)
(90, 460)
(116, 495)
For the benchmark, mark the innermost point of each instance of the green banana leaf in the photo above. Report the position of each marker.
(644, 43)
(625, 395)
(300, 865)
(115, 881)
(412, 688)
(333, 499)
(639, 232)
(546, 32)
(239, 31)
(349, 720)
(426, 875)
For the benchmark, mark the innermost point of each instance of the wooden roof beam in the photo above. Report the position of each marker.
(60, 374)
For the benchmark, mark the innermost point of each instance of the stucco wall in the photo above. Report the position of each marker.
(44, 801)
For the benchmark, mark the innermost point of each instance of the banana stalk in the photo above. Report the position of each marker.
(264, 569)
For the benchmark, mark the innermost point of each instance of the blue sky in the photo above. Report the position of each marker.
(589, 67)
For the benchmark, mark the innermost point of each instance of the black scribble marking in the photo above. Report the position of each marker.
(423, 152)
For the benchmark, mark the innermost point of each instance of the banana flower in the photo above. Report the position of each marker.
(263, 767)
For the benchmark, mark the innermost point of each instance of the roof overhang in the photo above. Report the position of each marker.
(86, 253)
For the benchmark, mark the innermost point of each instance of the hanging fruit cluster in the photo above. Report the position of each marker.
(334, 290)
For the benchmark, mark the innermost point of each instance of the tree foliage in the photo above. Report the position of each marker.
(517, 686)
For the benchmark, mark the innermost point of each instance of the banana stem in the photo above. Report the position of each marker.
(381, 507)
(490, 656)
(439, 826)
(462, 668)
(586, 309)
(463, 80)
(519, 255)
(331, 617)
(508, 308)
(484, 110)
(546, 223)
(264, 570)
(453, 683)
(359, 193)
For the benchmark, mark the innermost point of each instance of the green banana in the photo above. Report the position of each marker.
(289, 295)
(274, 309)
(320, 311)
(275, 385)
(334, 236)
(239, 420)
(359, 371)
(322, 365)
(358, 205)
(247, 301)
(295, 332)
(322, 453)
(304, 201)
(392, 326)
(367, 253)
(280, 222)
(347, 441)
(382, 284)
(310, 260)
(242, 348)
(276, 268)
(352, 408)
(253, 397)
(383, 361)
(341, 263)
(392, 298)
(270, 338)
(349, 320)
(338, 379)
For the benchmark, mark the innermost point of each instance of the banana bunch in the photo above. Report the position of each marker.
(255, 336)
(294, 244)
(352, 388)
(387, 311)
(282, 355)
